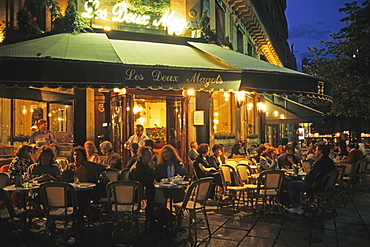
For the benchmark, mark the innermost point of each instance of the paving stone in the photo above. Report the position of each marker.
(350, 226)
(353, 238)
(257, 242)
(265, 230)
(292, 238)
(325, 235)
(213, 242)
(230, 234)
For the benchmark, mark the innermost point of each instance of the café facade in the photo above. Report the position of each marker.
(152, 69)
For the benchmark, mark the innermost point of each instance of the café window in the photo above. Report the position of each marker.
(222, 122)
(5, 124)
(26, 115)
(152, 115)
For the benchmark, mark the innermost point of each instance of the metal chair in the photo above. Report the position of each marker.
(195, 200)
(306, 165)
(362, 173)
(269, 188)
(232, 185)
(60, 203)
(339, 184)
(4, 179)
(124, 200)
(325, 195)
(10, 216)
(245, 176)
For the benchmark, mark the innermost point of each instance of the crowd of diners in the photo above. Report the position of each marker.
(38, 163)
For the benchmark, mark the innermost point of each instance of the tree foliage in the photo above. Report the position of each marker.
(29, 25)
(345, 62)
(72, 21)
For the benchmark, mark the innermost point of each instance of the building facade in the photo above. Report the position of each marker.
(186, 70)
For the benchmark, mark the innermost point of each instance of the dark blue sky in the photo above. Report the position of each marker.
(310, 21)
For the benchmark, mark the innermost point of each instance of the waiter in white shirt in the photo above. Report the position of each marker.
(139, 137)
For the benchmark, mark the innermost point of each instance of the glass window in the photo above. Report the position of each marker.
(152, 115)
(61, 123)
(5, 121)
(26, 115)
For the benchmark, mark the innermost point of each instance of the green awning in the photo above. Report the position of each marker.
(276, 114)
(293, 106)
(263, 77)
(94, 60)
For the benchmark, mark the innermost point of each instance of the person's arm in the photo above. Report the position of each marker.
(264, 164)
(53, 141)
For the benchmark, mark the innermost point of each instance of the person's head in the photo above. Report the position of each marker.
(106, 147)
(79, 155)
(149, 143)
(289, 149)
(203, 149)
(145, 154)
(134, 147)
(269, 152)
(260, 149)
(194, 145)
(42, 124)
(344, 136)
(322, 150)
(167, 154)
(139, 130)
(90, 148)
(45, 155)
(351, 146)
(217, 150)
(23, 151)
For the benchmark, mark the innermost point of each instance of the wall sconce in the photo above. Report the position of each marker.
(116, 90)
(240, 98)
(226, 96)
(188, 93)
(261, 107)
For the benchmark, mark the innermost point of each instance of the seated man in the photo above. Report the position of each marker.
(286, 160)
(110, 159)
(313, 179)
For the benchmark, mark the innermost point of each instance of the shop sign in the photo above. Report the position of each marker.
(120, 12)
(136, 77)
(101, 107)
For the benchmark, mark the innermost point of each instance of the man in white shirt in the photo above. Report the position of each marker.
(139, 137)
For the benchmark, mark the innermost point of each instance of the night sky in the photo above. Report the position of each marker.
(310, 21)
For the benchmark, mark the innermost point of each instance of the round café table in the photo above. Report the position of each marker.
(171, 186)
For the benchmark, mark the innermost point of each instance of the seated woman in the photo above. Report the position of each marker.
(143, 171)
(21, 161)
(268, 160)
(215, 160)
(204, 169)
(170, 165)
(45, 168)
(91, 151)
(84, 170)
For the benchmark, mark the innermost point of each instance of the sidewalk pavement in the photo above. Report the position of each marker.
(243, 228)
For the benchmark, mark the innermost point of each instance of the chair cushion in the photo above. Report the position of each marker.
(238, 188)
(4, 214)
(189, 205)
(60, 211)
(271, 192)
(125, 208)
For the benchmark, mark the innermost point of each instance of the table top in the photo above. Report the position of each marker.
(83, 186)
(34, 186)
(26, 187)
(171, 185)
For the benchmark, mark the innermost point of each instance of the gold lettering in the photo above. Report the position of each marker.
(132, 76)
(196, 78)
